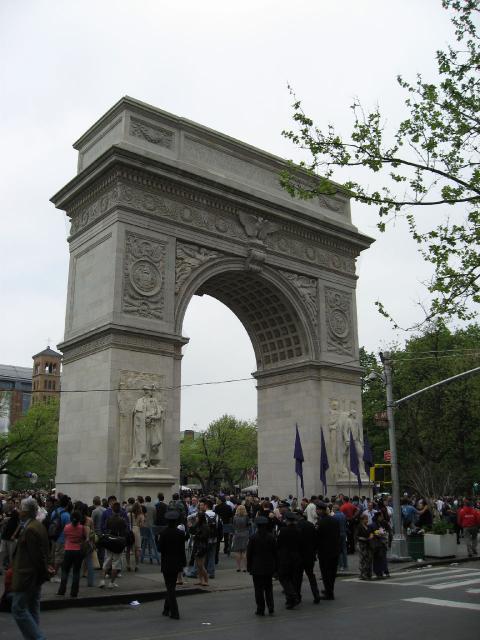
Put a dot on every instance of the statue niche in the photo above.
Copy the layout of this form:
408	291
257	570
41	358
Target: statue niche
148	422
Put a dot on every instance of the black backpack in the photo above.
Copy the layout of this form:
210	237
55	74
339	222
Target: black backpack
55	527
212	523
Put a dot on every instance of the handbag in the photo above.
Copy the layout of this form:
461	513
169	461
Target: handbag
87	545
130	537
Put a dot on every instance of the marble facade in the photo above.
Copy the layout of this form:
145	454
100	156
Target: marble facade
163	209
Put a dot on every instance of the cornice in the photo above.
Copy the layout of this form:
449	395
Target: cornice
204	191
119	337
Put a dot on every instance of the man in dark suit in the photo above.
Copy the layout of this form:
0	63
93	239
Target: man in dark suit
30	570
289	560
172	549
328	542
308	549
262	564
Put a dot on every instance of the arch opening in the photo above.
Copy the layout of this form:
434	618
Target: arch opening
270	318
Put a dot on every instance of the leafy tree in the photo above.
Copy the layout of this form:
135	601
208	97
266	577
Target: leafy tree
438	433
432	159
222	455
31	445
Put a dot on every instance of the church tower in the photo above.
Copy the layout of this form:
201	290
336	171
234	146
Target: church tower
46	375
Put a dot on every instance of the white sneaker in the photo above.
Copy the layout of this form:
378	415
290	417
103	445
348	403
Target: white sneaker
101	584
113	585
119	574
55	579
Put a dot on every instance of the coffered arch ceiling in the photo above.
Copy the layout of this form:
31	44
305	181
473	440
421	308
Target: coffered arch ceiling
271	318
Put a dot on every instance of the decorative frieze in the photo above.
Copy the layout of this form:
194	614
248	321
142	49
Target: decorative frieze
338	309
151	133
143	277
192	208
310	252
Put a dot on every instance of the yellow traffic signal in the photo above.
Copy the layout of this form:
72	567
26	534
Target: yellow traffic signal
381	474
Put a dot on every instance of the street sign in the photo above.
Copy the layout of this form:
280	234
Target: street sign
387	455
381	419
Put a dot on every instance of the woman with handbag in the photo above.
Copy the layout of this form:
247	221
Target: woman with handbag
76	535
88	559
379	543
241	534
136	520
364	536
200	534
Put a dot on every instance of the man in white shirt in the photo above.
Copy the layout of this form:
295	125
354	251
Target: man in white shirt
370	512
311	510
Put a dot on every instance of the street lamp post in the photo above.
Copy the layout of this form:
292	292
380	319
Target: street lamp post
399	549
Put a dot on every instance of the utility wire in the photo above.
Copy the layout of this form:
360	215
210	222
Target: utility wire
180	386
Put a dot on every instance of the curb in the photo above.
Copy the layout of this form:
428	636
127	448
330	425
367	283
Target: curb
113	599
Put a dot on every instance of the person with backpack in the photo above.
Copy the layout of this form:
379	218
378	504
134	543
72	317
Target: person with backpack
75	534
59	518
468	518
118	528
176	504
200	536
215	533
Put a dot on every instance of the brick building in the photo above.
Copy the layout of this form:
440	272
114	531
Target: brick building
46	375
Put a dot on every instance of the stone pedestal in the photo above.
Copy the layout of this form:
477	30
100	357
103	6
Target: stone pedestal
144	482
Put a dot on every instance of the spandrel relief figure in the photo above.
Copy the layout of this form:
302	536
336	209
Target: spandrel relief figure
148	421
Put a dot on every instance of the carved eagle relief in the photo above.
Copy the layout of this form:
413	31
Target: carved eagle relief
256	227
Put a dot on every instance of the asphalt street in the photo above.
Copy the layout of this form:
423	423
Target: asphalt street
431	603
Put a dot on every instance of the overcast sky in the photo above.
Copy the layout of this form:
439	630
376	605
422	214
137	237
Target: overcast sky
226	65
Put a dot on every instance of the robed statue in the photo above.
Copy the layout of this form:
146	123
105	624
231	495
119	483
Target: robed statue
148	421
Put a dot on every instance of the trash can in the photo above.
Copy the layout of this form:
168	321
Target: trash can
416	546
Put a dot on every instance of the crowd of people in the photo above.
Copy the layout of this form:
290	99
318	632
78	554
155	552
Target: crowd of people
51	537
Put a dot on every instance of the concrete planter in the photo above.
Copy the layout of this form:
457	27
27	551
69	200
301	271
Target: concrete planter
440	546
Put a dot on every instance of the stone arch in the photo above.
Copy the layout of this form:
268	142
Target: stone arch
163	209
266	303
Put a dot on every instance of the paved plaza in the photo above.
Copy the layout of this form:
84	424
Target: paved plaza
437	602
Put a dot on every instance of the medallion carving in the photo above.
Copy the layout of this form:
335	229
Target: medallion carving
151	133
189	257
143	278
339	321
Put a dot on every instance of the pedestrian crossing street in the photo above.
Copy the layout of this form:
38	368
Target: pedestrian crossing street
437	579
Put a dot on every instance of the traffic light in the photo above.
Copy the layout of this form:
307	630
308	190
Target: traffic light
381	474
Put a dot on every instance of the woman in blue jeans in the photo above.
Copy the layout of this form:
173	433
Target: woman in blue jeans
75	534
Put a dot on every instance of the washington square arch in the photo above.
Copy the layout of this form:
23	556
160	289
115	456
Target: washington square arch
163	209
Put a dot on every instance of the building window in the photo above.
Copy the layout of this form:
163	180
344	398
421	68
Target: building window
45	384
53	385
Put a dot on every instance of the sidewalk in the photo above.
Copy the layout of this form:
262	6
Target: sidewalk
148	585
